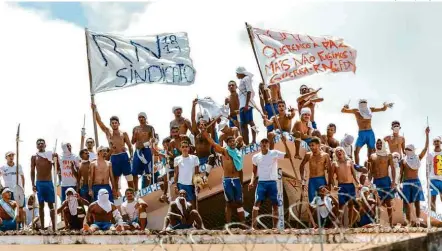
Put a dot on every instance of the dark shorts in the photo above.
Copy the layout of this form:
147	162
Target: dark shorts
8	225
231	124
180	225
120	164
436	187
246	117
383	185
84	193
63	192
267	189
96	188
412	190
103	225
313	185
45	191
232	189
270	114
366	137
314	125
346	192
138	167
365	220
190	191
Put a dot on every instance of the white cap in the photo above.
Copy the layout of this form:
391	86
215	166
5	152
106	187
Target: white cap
142	114
176	108
9	153
101	148
241	70
306	110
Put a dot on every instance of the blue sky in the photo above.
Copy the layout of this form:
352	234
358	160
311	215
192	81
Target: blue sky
68	11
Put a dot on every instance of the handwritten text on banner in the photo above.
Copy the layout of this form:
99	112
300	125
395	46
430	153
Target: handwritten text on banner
285	56
118	62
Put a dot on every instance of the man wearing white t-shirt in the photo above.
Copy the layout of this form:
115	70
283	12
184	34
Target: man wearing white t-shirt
186	166
246	95
133	211
9	174
435	164
265	167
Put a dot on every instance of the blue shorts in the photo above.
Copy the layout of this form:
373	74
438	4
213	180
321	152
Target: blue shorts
267	189
366	137
63	192
435	187
346	193
314	125
84	193
96	188
246	117
270	114
120	164
103	225
203	161
313	185
232	189
190	191
383	185
138	167
231	124
8	225
45	191
365	220
307	140
412	190
180	225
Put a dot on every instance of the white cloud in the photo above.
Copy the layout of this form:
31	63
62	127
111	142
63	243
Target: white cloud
45	84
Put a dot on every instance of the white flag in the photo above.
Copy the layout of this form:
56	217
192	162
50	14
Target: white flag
119	62
286	56
213	109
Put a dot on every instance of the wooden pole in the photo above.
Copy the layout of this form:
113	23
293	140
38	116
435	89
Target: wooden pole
273	108
55	186
428	188
17	173
90	86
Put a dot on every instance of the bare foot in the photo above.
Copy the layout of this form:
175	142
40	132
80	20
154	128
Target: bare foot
298	157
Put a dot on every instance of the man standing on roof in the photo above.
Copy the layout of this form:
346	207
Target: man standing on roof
182	123
246	95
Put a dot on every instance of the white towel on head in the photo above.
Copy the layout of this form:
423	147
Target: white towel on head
412	159
180	207
242	70
72	201
176	108
384	151
364	110
103	200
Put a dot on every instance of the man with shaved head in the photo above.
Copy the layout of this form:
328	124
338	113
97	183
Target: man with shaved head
182	123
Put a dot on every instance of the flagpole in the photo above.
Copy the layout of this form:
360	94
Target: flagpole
55	185
428	188
90	86
273	108
17	173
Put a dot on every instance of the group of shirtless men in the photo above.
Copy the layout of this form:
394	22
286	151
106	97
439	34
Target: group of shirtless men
93	178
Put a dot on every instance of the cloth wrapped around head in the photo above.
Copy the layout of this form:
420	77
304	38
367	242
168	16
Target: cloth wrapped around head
176	108
383	151
348	140
364	110
242	70
438	138
64	148
103	200
142	114
412	159
72	201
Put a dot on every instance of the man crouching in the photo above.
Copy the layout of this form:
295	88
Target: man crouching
100	214
181	215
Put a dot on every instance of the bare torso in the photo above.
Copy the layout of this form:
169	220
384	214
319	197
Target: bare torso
330	141
228	167
343	170
363	124
317	164
84	172
116	141
202	146
43	167
395	143
182	123
275	93
232	132
410	174
284	120
379	165
143	134
233	103
99	215
301	126
101	172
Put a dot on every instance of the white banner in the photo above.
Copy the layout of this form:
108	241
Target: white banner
285	56
213	109
119	62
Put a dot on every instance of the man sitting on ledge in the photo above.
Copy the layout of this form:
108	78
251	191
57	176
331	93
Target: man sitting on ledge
133	211
101	212
7	211
181	215
72	210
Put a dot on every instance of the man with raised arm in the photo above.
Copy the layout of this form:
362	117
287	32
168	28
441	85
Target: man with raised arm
308	99
342	167
182	123
233	101
265	167
186	166
42	162
232	163
302	130
101	175
284	119
202	146
117	141
246	95
411	185
329	138
319	163
435	165
227	132
143	137
363	117
378	165
269	97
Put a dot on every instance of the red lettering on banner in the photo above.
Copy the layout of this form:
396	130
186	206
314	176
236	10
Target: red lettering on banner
332	55
329	44
289	75
275	66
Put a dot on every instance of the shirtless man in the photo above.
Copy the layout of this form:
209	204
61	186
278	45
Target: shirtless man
233	101
101	213
246	95
143	138
319	163
117	140
435	160
411	185
269	97
396	143
326	206
7	211
100	176
202	145
366	208
284	120
182	123
309	99
378	165
175	142
232	163
72	210
302	130
227	133
342	167
83	175
329	138
363	117
181	215
42	163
